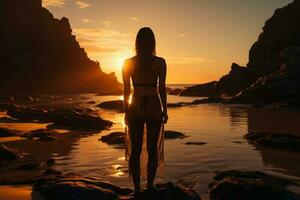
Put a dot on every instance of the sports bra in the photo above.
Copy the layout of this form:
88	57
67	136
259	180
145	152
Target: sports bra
152	72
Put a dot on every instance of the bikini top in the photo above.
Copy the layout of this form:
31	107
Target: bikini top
149	67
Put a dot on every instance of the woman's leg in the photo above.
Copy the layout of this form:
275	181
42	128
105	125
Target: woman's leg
153	131
136	139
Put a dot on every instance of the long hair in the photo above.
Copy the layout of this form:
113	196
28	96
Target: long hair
145	44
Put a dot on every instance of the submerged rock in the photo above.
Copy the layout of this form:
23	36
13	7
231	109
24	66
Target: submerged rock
196	143
8	154
174	135
232	184
275	140
114	138
114	105
55	185
118	138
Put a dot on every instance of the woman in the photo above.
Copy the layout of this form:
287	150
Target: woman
147	112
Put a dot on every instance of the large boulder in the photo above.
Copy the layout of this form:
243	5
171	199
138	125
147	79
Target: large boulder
65	119
200	90
55	185
275	140
41	55
232	184
236	80
282	86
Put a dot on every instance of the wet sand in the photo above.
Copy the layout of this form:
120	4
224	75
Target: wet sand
222	127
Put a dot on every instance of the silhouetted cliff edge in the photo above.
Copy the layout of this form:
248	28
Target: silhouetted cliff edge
272	74
39	54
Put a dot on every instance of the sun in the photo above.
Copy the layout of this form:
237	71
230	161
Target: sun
118	59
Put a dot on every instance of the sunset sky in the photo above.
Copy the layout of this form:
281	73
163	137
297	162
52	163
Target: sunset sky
198	38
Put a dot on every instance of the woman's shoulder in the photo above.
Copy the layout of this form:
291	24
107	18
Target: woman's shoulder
160	59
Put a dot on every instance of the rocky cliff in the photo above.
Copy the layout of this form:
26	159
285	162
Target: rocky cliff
39	54
278	44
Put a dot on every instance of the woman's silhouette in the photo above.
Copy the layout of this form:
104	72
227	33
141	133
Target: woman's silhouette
147	112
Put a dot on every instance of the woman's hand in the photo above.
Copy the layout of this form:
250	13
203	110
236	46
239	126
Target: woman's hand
165	117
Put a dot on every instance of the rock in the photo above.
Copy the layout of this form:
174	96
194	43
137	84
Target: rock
34	44
29	166
275	140
114	138
114	105
280	88
277	45
55	185
200	90
175	91
238	79
232	184
8	154
83	122
65	119
174	135
208	100
5	132
51	162
118	138
40	133
176	105
196	143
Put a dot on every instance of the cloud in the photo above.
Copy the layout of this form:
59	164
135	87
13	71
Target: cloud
181	35
106	23
82	4
134	18
53	3
85	20
103	41
189	60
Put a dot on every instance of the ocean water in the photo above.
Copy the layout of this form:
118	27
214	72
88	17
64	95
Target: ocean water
222	127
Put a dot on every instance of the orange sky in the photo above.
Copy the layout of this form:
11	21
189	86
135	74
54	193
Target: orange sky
198	38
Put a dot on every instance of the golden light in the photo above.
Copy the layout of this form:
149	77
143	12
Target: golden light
119	58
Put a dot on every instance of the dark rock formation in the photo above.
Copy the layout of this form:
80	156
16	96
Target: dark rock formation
275	140
5	132
229	185
118	138
280	87
174	135
7	154
55	185
201	90
65	119
114	138
175	91
118	105
277	46
113	105
39	54
239	78
196	143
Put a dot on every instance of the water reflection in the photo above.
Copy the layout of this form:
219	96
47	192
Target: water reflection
269	120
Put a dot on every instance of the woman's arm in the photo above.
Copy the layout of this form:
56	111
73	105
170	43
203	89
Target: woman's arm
163	91
126	83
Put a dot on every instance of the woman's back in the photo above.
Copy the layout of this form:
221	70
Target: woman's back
145	74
